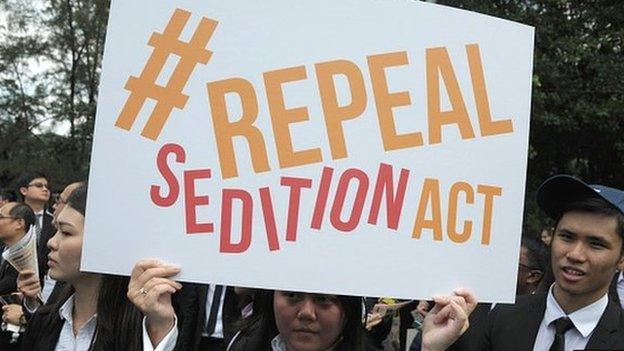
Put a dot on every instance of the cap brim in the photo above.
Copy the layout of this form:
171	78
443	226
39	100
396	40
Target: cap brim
558	191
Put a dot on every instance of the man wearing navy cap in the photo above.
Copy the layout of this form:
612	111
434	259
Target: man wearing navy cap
586	249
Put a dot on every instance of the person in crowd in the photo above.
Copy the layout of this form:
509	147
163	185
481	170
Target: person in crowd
34	190
93	313
16	220
6	196
290	321
51	289
546	235
61	199
532	265
206	317
586	250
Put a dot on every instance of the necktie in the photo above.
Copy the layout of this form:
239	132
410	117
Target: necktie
38	225
214	310
562	325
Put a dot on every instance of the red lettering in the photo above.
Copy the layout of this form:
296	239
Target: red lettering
321	198
269	218
191	201
165	171
358	204
294	201
226	245
394	204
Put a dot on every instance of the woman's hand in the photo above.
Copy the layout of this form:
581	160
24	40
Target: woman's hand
447	320
150	290
12	314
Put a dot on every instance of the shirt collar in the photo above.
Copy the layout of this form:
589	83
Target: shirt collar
278	344
621	277
584	319
67	309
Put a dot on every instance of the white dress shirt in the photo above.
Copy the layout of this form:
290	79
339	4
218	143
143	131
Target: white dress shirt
218	330
620	288
67	340
167	344
278	344
585	321
82	340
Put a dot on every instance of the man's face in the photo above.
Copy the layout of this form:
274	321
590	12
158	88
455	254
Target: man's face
586	250
8	225
36	191
61	200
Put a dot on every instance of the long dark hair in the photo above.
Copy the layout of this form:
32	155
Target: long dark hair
262	322
118	324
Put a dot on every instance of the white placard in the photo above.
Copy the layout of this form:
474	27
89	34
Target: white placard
358	147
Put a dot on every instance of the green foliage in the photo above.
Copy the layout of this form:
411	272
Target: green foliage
50	59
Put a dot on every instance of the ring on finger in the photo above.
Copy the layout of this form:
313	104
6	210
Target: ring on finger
142	291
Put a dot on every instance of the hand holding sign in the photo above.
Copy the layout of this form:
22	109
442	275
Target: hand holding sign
447	320
150	289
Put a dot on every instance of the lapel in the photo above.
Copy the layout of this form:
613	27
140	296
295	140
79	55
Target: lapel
604	336
613	294
3	268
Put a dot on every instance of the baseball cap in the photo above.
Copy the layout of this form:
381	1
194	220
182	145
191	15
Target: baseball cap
558	191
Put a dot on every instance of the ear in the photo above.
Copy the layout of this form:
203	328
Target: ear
620	265
21	223
23	191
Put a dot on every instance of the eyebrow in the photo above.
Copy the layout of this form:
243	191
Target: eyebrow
63	223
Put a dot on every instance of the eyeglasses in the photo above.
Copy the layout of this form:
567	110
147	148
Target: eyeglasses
40	185
528	267
6	217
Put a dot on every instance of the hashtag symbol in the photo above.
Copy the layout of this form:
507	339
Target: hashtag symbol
170	96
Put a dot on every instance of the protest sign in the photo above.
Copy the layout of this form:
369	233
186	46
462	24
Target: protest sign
357	147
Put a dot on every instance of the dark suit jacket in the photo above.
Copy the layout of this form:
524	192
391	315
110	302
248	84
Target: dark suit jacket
43	332
8	278
47	232
190	306
515	327
613	294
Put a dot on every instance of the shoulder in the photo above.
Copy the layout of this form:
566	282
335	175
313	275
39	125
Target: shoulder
254	337
523	303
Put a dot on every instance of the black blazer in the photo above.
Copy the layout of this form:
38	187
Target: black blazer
613	294
190	306
42	332
515	327
8	278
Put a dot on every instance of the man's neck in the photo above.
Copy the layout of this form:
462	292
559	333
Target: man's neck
35	205
570	303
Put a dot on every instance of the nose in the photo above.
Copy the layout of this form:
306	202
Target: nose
307	309
52	243
577	252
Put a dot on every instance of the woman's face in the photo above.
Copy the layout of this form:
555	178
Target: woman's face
66	246
308	322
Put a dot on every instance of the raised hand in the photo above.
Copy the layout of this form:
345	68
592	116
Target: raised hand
447	320
150	289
